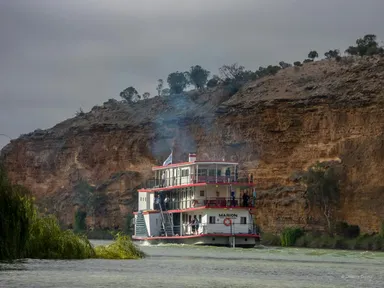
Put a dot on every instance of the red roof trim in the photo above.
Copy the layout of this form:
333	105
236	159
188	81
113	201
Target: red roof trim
172	165
171	187
250	209
194	185
191	163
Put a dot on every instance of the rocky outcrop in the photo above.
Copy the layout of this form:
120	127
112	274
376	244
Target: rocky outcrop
275	127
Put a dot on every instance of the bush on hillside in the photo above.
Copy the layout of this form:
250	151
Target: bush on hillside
347	231
290	235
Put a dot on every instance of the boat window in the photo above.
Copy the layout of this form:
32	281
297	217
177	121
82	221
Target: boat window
202	172
218	172
243	220
199	218
184	172
211	172
212	219
201	193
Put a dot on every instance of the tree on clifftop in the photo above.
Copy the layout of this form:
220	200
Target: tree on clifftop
332	54
198	76
159	87
365	46
233	72
323	191
312	55
130	94
213	82
284	65
146	95
177	82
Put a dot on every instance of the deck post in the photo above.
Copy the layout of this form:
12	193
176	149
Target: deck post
216	171
181	224
197	174
233	237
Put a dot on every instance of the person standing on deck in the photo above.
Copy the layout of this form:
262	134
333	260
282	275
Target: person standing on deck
254	197
157	202
195	224
228	174
166	201
163	179
233	199
245	199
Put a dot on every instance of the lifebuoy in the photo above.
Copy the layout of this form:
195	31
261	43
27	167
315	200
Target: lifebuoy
227	221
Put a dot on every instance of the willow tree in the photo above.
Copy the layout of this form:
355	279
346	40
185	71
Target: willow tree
16	212
323	192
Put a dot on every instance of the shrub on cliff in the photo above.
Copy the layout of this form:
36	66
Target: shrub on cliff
323	192
347	231
290	235
80	225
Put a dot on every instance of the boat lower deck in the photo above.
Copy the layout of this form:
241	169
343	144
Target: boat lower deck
228	240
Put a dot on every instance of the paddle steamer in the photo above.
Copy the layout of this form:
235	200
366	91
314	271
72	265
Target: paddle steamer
197	202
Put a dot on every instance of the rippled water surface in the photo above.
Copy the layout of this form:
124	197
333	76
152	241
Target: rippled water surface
190	266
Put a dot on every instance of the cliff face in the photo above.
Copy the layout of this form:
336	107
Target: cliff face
274	127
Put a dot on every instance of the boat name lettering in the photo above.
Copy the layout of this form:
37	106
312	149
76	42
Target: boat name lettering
228	215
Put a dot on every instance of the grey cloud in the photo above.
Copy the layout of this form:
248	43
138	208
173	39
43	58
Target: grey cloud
56	56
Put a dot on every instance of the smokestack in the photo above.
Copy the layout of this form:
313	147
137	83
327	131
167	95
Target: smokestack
192	157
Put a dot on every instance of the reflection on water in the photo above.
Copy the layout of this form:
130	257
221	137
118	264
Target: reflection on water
191	266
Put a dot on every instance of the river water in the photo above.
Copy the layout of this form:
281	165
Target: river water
191	266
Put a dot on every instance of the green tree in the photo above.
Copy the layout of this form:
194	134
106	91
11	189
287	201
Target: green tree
213	82
177	82
128	224
322	181
284	65
130	94
297	64
16	214
198	76
233	72
332	54
265	71
365	46
313	54
159	87
146	95
80	225
165	92
307	60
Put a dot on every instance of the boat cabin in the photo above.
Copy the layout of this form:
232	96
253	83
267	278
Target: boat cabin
209	193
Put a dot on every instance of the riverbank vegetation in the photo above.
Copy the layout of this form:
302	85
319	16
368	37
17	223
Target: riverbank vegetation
323	198
26	234
348	237
122	248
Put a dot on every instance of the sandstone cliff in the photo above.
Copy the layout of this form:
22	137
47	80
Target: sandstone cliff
274	126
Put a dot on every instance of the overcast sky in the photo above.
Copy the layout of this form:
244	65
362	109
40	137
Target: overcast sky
57	56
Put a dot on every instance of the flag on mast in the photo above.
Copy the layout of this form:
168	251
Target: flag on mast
168	160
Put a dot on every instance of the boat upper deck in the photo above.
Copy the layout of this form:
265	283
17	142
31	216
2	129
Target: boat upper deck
195	173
